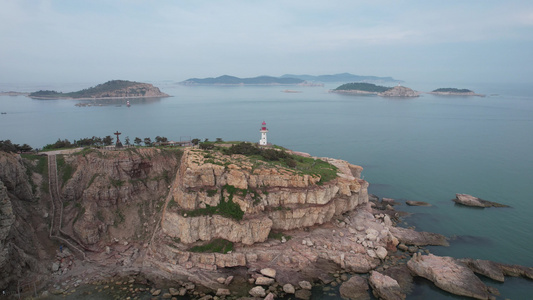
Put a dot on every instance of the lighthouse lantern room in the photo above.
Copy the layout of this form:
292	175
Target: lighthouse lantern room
264	130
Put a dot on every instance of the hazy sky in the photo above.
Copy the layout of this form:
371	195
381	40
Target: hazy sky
100	40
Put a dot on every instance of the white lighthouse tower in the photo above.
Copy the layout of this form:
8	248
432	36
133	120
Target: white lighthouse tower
264	130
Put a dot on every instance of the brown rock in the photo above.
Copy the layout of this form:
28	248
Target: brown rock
258	291
269	272
469	200
417	238
417	203
288	288
356	288
223	292
384	287
264	281
449	275
303	294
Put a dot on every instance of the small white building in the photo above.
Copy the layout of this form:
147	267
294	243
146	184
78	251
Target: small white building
264	130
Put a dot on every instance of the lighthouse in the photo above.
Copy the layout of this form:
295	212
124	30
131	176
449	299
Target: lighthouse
264	130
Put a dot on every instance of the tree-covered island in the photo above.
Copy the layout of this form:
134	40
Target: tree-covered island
455	92
360	88
110	89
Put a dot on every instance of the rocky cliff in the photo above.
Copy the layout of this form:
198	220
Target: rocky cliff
206	216
23	231
115	195
270	197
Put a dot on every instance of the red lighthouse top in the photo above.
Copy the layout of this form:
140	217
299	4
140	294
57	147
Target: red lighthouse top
263	126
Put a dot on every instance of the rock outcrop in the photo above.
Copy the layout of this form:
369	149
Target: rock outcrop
116	193
356	288
270	197
7	218
469	200
384	287
23	230
497	271
14	176
417	203
399	91
449	274
418	238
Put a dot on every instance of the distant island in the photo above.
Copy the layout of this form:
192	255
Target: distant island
287	79
372	89
232	80
361	88
343	77
455	92
13	93
110	89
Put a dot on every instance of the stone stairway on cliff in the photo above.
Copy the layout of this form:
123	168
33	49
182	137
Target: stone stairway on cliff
57	211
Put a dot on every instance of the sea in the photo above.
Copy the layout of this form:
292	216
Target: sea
426	149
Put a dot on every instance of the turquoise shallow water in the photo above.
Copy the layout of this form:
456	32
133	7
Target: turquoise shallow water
424	149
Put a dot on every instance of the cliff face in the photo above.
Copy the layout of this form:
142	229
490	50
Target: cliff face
115	194
400	91
7	218
14	176
23	230
158	203
270	197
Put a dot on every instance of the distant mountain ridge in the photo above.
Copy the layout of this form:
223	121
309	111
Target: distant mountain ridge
342	77
287	79
227	79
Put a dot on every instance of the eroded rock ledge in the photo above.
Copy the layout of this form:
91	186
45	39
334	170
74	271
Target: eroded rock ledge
271	197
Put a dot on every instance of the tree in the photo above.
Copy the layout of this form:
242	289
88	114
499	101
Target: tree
127	141
195	141
137	141
7	146
98	141
147	141
24	148
219	140
161	139
108	140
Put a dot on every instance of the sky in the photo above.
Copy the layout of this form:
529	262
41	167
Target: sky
94	41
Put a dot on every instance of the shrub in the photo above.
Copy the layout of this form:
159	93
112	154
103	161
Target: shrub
216	245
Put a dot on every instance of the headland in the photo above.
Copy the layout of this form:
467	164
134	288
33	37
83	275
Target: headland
230	220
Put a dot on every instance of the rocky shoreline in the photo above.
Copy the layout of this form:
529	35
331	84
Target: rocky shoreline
387	272
139	224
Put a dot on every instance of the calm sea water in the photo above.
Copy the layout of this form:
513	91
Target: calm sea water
424	149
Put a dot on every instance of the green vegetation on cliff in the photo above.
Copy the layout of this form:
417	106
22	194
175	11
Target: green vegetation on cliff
304	165
452	90
362	86
226	207
214	246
